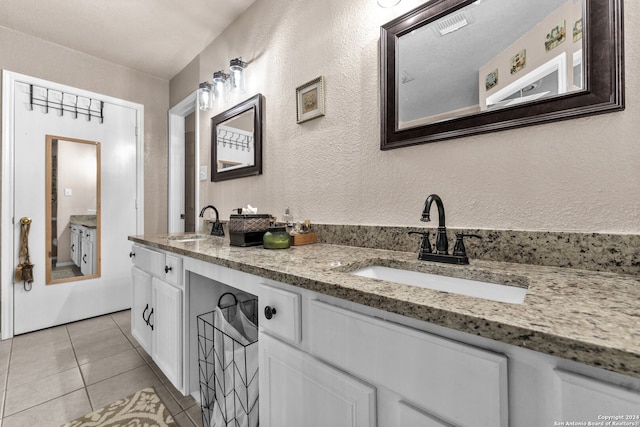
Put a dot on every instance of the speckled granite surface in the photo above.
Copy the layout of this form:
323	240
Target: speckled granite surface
586	316
619	253
86	220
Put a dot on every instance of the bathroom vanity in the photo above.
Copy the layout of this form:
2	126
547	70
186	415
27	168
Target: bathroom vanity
83	243
344	350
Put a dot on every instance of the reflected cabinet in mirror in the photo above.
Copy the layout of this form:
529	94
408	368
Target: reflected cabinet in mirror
453	68
72	209
236	141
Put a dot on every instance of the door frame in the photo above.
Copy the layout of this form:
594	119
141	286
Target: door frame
9	79
176	195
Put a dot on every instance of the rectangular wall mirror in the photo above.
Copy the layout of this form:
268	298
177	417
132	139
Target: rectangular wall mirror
72	209
453	68
236	141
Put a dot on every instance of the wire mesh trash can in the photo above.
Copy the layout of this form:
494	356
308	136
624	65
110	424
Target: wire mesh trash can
228	364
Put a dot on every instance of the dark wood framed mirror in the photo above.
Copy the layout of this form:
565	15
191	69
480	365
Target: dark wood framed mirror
236	141
454	68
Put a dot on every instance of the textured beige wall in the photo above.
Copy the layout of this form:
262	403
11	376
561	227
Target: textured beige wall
185	82
34	57
578	175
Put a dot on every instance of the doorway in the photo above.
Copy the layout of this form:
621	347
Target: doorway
179	175
190	173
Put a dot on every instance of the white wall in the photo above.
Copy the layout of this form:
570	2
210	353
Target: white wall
579	175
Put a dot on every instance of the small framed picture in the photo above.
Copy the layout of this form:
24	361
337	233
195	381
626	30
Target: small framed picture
556	36
310	100
518	61
577	30
492	79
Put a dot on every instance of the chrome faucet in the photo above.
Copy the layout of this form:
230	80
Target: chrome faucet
442	244
441	254
216	228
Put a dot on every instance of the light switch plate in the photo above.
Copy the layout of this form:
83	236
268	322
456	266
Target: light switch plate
203	173
68	191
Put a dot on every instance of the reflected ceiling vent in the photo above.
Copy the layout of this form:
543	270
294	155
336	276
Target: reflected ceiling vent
452	23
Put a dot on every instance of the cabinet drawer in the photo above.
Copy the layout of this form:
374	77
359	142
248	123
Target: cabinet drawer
173	270
454	382
285	323
150	261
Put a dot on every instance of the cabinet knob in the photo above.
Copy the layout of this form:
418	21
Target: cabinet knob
167	269
131	254
269	312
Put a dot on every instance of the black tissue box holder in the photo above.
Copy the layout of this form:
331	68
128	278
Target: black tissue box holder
248	229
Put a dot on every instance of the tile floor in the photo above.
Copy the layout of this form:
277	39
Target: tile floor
53	376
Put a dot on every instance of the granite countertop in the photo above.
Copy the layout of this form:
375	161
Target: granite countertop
590	317
88	221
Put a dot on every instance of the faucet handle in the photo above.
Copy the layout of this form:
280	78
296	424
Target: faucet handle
425	246
216	229
458	248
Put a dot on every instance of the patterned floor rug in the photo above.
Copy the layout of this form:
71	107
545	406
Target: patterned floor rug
143	408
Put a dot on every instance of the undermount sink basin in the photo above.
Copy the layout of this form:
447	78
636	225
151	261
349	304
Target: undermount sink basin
188	238
473	288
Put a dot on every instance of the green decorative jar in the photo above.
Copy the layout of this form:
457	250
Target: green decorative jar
276	238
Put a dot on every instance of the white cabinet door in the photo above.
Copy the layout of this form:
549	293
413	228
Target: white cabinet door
86	264
141	308
299	390
167	330
587	400
75	245
414	417
464	385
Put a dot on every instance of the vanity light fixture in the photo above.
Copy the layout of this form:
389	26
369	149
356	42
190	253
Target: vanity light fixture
220	84
236	80
205	96
237	67
388	3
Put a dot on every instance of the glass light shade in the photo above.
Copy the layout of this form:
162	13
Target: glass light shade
205	96
219	85
388	3
236	67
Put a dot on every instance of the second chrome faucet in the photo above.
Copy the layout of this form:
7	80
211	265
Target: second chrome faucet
441	254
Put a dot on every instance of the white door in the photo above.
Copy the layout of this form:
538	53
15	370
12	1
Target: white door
48	305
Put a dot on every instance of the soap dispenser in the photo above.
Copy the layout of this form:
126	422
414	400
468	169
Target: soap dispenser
287	219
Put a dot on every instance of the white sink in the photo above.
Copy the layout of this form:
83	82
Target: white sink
473	288
189	238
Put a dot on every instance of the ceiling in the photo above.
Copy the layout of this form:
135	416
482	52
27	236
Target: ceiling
157	37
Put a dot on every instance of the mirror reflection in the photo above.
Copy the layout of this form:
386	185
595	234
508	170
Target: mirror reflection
530	50
235	142
73	211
